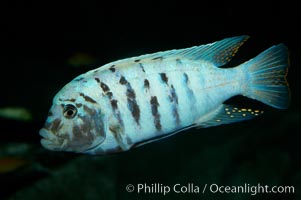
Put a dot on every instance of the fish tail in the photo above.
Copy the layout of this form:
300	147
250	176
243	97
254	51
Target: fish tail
266	77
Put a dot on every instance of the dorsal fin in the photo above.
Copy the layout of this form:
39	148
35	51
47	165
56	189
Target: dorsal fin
218	53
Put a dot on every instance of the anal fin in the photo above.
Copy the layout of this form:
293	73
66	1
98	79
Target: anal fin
226	114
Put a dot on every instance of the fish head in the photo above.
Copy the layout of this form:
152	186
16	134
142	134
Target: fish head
72	124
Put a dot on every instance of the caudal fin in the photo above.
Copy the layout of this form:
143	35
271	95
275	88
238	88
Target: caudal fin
266	77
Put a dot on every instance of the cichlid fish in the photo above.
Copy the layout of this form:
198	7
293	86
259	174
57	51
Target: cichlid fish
138	100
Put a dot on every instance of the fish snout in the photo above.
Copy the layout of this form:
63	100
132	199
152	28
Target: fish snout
48	140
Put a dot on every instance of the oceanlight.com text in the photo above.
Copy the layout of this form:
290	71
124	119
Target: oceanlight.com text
193	188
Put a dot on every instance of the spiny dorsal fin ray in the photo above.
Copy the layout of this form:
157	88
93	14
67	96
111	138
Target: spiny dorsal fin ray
219	53
226	114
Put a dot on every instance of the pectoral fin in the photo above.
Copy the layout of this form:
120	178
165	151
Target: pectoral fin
160	137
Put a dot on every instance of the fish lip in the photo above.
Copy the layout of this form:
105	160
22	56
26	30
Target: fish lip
46	135
48	140
46	144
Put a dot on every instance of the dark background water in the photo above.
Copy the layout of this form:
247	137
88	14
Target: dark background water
37	40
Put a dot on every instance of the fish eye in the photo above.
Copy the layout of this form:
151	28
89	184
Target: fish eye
70	111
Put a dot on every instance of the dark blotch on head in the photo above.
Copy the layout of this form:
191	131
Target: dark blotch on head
87	98
84	134
78	105
71	100
76	132
55	125
88	110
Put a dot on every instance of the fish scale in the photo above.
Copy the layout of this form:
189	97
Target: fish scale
135	101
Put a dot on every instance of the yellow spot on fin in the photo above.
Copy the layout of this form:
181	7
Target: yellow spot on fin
267	77
227	49
226	114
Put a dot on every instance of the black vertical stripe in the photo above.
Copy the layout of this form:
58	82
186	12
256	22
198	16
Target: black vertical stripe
174	101
146	84
189	95
97	80
164	78
104	87
155	112
179	61
186	79
142	67
131	99
123	81
172	96
114	105
189	92
115	130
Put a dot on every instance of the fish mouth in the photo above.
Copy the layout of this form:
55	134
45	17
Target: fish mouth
49	140
47	134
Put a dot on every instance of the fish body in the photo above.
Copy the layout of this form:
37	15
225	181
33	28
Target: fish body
134	101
